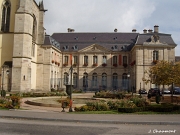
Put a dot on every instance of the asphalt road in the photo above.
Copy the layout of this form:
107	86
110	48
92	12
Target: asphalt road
37	127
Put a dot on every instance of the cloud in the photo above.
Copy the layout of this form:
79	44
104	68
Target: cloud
106	15
96	16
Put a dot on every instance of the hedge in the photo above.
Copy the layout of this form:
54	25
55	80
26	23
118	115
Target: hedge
130	110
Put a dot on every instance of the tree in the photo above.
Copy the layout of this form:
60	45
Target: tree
163	73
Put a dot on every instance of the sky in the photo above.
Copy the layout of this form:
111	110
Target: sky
106	15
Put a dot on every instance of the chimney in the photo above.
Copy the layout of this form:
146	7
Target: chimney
115	30
150	30
70	30
134	30
156	29
145	31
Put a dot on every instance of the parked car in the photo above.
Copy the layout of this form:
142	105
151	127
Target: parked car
176	90
154	91
142	91
166	91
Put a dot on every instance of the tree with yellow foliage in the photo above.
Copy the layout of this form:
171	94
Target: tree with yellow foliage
163	73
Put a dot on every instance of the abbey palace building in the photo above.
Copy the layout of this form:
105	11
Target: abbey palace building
30	60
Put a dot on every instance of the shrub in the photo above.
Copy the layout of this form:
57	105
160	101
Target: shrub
130	110
77	91
176	107
109	94
84	108
15	101
2	100
93	106
126	110
140	102
113	105
162	108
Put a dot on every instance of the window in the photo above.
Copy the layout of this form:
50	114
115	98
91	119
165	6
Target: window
124	60
85	60
155	55
66	60
104	81
114	59
75	47
33	36
85	80
75	79
104	59
51	83
94	79
65	47
66	78
34	28
75	59
94	59
115	81
5	22
124	81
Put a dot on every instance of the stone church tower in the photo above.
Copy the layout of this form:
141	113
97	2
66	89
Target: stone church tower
28	36
24	20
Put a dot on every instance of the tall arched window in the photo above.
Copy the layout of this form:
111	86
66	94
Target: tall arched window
33	36
85	80
155	55
124	81
6	10
94	79
75	79
104	81
115	81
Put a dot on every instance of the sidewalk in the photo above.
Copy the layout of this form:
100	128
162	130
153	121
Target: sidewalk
54	114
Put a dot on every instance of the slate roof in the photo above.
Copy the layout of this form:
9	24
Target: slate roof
164	38
82	40
108	40
50	41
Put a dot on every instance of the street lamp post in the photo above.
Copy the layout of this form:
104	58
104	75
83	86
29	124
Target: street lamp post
128	75
70	106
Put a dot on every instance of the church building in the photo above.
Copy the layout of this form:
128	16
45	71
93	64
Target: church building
30	60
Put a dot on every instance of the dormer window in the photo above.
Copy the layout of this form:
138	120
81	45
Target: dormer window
115	38
75	47
76	38
65	47
115	47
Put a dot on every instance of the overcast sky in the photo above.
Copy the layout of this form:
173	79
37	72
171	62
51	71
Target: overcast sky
106	15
